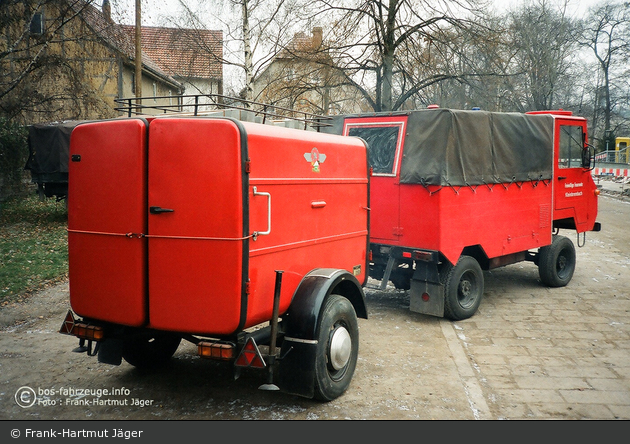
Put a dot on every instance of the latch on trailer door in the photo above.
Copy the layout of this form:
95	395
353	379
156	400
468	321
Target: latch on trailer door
260	233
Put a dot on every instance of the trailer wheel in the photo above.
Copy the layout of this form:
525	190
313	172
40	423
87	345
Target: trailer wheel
150	350
556	262
337	348
463	289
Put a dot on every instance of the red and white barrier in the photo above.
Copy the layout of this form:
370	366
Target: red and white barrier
615	172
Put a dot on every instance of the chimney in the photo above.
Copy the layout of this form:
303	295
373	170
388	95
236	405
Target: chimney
107	10
317	37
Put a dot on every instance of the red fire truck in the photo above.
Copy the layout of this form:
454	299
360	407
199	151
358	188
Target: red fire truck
248	240
456	192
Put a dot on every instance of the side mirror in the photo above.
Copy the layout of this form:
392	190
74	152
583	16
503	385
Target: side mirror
588	154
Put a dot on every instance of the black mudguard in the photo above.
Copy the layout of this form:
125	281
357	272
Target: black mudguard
110	351
296	372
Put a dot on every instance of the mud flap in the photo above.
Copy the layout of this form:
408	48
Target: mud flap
110	351
296	374
426	295
432	304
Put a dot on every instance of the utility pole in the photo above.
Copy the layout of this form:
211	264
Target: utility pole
138	53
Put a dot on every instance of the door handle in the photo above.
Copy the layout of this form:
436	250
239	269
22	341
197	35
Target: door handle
268	195
561	177
159	210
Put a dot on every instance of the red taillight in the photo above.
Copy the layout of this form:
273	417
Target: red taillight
215	350
426	256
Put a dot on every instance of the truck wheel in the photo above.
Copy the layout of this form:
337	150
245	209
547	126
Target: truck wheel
463	289
337	348
556	262
150	350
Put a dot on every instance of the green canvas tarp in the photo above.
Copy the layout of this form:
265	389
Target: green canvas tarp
458	148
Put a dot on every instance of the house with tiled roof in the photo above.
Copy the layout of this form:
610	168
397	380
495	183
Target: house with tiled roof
193	57
67	60
303	77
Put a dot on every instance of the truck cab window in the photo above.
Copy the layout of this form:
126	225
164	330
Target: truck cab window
382	142
571	147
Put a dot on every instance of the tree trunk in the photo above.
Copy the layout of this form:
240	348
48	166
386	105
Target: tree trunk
249	64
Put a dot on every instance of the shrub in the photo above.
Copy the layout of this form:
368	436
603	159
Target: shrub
13	157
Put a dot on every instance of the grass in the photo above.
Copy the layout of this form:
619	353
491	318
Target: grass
33	245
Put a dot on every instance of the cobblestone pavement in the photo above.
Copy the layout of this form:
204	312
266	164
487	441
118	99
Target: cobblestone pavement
531	352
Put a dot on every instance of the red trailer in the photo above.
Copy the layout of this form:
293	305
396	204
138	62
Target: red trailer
456	192
246	239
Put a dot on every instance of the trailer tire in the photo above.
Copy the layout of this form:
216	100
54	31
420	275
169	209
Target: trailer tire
556	262
337	348
150	350
463	289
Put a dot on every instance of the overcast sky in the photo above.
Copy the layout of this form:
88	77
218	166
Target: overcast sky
153	10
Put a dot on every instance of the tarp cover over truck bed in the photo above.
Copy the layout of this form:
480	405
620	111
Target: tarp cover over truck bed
49	148
458	148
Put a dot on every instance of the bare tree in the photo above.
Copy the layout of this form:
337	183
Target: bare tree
606	32
372	35
254	32
543	38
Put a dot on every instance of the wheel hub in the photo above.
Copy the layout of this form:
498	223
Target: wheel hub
465	288
562	262
340	348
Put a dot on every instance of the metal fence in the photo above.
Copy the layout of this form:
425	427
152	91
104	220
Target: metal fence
613	156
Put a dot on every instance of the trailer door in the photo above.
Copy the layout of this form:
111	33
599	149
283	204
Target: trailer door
196	225
385	138
107	221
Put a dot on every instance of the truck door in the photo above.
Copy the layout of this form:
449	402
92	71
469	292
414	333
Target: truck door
196	225
385	139
572	180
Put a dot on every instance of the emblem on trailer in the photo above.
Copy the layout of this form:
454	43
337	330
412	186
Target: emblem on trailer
315	157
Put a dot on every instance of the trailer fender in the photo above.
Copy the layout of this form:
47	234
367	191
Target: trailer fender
298	356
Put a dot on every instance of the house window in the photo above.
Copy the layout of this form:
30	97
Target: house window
154	92
37	24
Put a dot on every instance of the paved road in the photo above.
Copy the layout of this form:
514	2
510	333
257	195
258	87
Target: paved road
530	352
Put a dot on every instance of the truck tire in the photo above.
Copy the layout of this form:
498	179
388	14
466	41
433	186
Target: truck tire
337	348
556	262
150	350
463	289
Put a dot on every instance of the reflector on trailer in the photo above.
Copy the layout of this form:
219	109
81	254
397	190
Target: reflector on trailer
250	355
70	326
